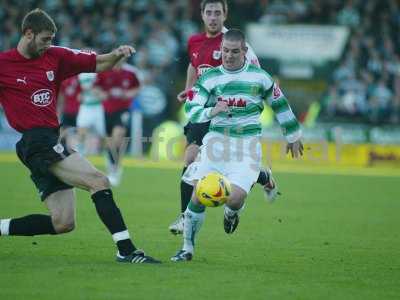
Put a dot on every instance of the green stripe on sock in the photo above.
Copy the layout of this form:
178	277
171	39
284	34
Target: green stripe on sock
196	208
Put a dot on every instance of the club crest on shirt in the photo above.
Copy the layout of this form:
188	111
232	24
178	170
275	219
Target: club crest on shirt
58	148
216	54
255	90
50	75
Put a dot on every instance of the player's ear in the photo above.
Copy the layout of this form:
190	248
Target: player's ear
29	34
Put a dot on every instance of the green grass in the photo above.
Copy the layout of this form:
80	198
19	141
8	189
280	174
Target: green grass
327	237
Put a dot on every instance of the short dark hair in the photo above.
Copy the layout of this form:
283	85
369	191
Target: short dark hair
235	35
223	2
38	20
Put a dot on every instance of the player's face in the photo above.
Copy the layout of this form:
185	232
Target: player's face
233	54
39	43
213	17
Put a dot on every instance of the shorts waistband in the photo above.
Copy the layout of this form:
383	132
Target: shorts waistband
41	131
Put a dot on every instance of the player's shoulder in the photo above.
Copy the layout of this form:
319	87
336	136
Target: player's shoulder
211	74
60	51
8	55
260	74
54	50
197	37
256	69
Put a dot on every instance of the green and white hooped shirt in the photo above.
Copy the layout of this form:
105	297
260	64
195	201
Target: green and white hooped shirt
245	90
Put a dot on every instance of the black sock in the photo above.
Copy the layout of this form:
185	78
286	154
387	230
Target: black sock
31	225
111	216
262	178
186	193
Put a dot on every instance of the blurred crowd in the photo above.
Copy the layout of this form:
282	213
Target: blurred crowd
158	30
364	86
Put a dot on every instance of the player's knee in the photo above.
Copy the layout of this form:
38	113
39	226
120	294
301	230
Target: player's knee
62	224
236	199
99	181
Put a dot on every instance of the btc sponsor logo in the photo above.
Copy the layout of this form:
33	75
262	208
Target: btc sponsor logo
42	97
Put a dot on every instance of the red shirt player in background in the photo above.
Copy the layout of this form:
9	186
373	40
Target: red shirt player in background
68	107
30	80
204	50
117	87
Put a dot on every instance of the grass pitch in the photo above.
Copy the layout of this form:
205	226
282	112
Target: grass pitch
328	237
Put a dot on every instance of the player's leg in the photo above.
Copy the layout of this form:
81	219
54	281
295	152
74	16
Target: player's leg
81	135
60	201
195	211
68	130
193	220
76	171
268	183
194	135
270	187
186	189
191	152
233	208
242	171
116	148
31	154
61	205
84	122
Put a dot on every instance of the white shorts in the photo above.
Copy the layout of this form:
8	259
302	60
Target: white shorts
91	117
238	159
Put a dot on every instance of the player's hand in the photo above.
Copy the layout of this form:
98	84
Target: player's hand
182	96
124	51
296	149
221	106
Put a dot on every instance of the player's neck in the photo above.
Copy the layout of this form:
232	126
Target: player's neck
237	68
212	35
22	49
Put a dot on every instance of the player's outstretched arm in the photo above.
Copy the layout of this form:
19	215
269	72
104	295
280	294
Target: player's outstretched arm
190	81
109	60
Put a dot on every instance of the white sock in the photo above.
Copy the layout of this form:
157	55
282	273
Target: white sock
231	212
193	222
5	226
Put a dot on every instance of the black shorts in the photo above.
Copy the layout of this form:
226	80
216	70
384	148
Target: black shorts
68	120
195	132
38	149
118	118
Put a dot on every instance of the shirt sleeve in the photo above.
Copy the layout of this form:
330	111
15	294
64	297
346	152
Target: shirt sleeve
99	80
73	62
284	114
135	83
251	56
189	51
195	108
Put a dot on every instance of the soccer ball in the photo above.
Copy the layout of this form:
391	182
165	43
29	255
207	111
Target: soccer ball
213	189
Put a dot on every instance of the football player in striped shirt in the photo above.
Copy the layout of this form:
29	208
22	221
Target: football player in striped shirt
232	97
